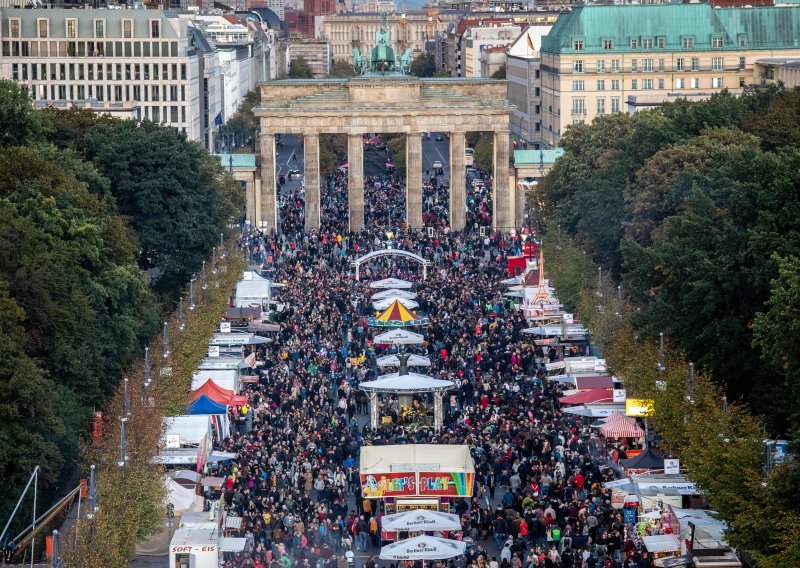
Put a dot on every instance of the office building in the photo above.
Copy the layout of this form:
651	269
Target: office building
605	59
523	74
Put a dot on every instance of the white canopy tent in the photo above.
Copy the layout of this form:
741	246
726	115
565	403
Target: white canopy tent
423	548
399	337
223	363
253	289
661	543
226	379
375	460
237	339
595	410
418	520
394	361
386	302
390	283
182	498
191	429
412	382
394	293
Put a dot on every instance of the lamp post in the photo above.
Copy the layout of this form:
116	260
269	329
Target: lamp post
214	260
126	401
92	494
166	341
55	562
619	291
600	281
146	366
123	442
690	383
662	356
203	285
221	246
181	318
191	292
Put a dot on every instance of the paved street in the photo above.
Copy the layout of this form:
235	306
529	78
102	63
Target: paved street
290	157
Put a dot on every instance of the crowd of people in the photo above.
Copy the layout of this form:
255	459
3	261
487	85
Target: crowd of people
538	498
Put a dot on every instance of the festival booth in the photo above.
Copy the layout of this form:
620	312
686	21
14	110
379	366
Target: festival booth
394	293
388	302
416	476
423	548
226	363
595	410
237	339
218	394
196	541
227	380
620	426
396	313
405	386
394	361
252	290
187	440
389	283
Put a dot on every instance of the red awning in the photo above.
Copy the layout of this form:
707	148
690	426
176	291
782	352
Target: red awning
594	382
218	394
588	397
620	426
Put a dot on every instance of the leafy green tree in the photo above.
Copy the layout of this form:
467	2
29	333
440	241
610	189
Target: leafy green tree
778	125
423	65
300	69
20	124
500	73
341	68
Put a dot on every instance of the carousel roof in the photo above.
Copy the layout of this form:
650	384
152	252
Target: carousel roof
412	382
397	315
387	303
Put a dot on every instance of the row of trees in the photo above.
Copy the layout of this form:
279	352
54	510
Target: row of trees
694	208
101	221
721	445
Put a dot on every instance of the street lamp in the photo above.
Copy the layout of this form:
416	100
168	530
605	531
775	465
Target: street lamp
126	401
166	341
214	260
181	318
600	281
123	442
221	246
204	286
690	383
191	292
92	494
662	356
146	366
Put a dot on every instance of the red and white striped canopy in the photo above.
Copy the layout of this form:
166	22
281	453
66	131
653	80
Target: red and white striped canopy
619	426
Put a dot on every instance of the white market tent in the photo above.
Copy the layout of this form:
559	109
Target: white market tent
555	330
412	382
386	302
411	457
399	337
394	293
394	361
418	520
223	363
182	498
191	430
391	283
423	547
252	290
237	339
595	410
662	543
226	379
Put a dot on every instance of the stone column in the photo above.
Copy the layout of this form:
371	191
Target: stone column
355	181
268	202
458	182
414	180
256	218
311	163
522	195
502	199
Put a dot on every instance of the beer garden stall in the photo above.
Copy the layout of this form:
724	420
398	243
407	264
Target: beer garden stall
416	476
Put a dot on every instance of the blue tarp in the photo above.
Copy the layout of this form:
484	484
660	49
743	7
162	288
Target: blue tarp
204	405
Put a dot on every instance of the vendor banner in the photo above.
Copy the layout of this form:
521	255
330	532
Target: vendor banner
416	484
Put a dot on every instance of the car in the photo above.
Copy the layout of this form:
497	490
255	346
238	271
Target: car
437	165
439	138
293	173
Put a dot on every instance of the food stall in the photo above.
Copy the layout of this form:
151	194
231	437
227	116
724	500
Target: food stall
416	476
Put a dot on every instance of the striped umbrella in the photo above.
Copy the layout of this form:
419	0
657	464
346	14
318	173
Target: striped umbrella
619	426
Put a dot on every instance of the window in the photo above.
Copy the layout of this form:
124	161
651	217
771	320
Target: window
717	63
578	107
601	106
634	44
615	104
608	44
634	65
615	84
680	83
615	65
742	40
647	44
155	28
99	28
634	84
577	66
687	42
13	27
716	42
601	66
127	28
647	84
661	42
661	65
577	86
680	64
695	83
577	44
183	71
661	84
695	64
43	27
716	82
601	85
741	81
741	63
647	65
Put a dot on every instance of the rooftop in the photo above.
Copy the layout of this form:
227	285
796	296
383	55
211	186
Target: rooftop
238	160
535	157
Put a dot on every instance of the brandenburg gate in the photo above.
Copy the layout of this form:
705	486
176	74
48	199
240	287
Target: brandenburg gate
384	99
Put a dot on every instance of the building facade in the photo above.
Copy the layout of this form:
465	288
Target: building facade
605	59
523	73
316	52
478	39
136	62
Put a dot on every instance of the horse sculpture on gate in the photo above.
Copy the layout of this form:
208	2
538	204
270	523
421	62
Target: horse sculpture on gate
382	58
359	63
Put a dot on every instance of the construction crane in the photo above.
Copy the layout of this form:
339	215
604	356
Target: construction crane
431	13
403	29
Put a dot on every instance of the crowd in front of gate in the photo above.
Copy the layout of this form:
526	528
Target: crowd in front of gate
538	498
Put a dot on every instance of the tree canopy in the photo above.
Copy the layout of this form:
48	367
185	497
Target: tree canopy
300	69
423	65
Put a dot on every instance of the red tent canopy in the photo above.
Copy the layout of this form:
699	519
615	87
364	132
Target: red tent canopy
218	394
594	382
588	397
619	426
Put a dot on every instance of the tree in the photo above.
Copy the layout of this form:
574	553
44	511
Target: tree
300	69
423	65
341	68
500	73
20	124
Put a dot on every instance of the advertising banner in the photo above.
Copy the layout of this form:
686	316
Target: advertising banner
417	484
